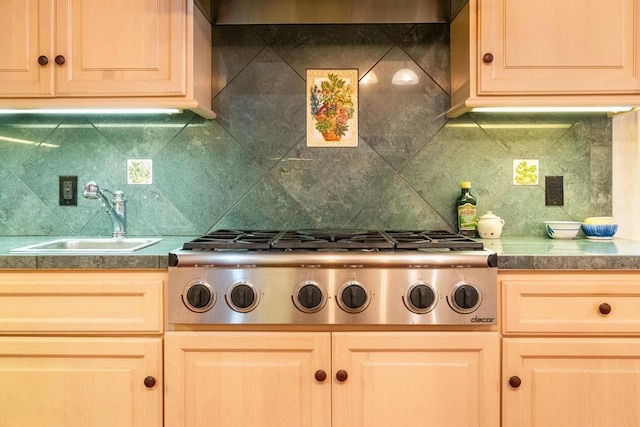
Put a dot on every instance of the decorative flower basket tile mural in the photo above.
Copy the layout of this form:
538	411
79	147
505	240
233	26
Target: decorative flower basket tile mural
332	100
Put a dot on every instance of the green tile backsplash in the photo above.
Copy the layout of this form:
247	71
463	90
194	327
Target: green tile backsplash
250	168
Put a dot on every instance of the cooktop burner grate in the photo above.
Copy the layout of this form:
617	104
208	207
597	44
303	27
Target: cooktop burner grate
234	239
432	239
333	239
329	240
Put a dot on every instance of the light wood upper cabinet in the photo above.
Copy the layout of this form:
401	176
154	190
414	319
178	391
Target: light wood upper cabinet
121	53
553	47
545	52
121	47
26	34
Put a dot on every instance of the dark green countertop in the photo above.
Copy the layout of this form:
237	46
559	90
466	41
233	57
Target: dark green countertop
541	253
526	253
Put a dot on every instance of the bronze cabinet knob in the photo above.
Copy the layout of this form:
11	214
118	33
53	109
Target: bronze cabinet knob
60	60
342	375
43	60
604	308
487	58
149	382
515	381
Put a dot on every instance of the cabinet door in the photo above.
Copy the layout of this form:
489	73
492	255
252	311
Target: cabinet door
122	47
417	379
571	382
26	33
247	379
551	46
80	382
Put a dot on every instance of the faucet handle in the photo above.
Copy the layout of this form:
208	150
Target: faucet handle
116	208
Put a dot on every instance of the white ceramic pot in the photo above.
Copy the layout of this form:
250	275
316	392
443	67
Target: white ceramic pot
490	226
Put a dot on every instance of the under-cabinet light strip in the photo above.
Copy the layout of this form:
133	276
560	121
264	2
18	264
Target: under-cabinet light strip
609	109
93	111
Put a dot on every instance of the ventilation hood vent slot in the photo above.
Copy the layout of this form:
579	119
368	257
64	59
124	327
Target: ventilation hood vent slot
247	12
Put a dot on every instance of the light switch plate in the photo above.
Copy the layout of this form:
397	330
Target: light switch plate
554	190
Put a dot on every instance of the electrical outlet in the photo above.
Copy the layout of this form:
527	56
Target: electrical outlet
554	190
68	188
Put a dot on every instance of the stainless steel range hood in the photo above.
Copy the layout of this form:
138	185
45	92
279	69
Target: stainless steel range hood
239	12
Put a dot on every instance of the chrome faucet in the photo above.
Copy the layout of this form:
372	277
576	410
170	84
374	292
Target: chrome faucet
116	208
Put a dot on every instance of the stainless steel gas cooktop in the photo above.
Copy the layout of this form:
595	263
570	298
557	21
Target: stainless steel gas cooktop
332	277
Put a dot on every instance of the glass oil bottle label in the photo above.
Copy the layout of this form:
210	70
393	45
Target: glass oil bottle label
467	219
466	211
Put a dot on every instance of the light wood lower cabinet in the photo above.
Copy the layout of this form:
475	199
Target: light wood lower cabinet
571	352
416	379
80	382
571	382
322	379
247	379
81	348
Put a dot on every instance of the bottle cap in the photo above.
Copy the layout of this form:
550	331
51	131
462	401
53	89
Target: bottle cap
465	184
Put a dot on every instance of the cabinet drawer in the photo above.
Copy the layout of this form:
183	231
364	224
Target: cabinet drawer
69	301
576	303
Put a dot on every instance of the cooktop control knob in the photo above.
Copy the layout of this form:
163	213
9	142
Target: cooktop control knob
465	298
309	297
420	298
242	297
353	297
199	297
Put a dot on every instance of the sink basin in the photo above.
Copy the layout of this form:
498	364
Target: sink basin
90	245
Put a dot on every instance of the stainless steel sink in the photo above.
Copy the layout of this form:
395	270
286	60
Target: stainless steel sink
90	245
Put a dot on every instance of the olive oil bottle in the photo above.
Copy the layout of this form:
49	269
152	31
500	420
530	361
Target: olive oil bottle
466	210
